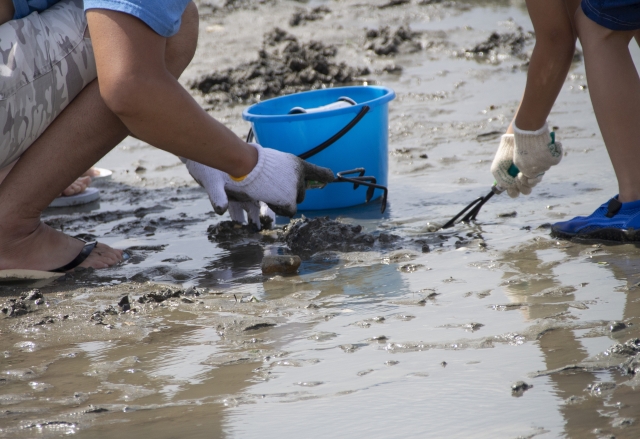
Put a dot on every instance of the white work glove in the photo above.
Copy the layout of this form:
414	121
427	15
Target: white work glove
532	152
536	151
212	180
279	180
258	213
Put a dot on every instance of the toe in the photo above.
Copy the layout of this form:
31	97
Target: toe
77	186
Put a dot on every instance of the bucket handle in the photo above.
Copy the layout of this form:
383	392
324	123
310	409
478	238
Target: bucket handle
361	179
327	143
324	145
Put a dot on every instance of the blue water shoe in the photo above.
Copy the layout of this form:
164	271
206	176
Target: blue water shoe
613	221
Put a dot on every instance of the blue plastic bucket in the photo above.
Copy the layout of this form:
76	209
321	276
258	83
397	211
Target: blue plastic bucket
364	146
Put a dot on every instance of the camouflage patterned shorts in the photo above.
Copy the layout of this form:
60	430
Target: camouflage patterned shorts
45	61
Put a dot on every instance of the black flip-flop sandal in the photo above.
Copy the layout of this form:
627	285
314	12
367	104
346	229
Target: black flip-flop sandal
38	278
84	254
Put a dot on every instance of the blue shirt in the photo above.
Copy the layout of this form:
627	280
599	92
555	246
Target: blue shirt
163	16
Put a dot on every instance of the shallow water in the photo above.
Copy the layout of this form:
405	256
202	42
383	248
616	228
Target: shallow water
388	343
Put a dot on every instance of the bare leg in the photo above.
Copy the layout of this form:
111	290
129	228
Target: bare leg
550	60
84	132
615	93
74	188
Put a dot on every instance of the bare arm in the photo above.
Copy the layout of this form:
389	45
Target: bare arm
137	86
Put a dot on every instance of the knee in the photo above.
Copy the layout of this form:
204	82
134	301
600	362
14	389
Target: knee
559	41
123	93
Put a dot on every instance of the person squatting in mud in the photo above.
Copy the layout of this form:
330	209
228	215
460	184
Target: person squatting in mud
58	119
605	29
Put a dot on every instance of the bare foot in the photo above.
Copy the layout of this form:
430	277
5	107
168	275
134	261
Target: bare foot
91	172
44	248
77	186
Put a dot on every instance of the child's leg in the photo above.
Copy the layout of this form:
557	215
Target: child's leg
615	93
550	60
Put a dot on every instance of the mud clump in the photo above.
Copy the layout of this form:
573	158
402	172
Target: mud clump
518	388
315	14
617	326
165	294
308	236
296	67
385	42
237	5
26	304
226	231
160	296
629	348
99	316
124	304
280	264
511	43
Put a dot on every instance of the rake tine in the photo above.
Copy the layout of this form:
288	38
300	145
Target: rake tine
452	221
359	171
372	186
471	216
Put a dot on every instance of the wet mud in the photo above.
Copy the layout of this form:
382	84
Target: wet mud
308	236
189	338
385	42
284	66
315	14
511	43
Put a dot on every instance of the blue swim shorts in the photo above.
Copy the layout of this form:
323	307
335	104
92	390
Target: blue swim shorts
618	15
163	16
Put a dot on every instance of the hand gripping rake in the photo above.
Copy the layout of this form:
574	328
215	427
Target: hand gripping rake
474	207
369	181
